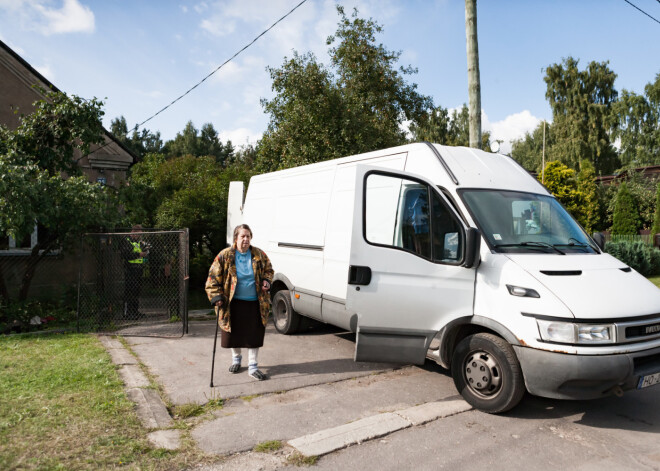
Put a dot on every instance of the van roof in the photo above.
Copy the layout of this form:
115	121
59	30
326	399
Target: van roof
474	168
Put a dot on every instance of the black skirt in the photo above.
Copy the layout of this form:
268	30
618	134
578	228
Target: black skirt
247	330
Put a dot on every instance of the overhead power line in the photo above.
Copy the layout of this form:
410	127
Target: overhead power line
635	6
137	126
218	68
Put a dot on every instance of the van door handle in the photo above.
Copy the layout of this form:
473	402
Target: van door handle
358	275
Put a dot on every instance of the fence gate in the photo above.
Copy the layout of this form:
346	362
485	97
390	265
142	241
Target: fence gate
134	283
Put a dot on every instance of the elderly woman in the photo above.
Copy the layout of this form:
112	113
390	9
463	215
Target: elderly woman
237	286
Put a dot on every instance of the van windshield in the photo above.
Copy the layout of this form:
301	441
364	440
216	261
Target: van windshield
519	222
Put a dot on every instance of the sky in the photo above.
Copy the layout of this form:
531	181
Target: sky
138	56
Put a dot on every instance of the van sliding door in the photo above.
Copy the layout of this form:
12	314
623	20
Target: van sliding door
405	276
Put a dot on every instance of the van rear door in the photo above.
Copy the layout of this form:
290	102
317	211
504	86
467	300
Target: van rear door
406	274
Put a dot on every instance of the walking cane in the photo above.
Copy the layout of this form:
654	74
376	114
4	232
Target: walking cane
215	341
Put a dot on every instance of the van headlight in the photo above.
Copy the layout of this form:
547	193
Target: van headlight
569	332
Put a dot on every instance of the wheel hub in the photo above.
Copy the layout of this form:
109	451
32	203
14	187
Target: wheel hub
482	373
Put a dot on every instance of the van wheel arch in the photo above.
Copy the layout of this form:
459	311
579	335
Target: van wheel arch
464	327
286	320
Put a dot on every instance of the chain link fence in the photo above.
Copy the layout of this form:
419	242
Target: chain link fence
134	283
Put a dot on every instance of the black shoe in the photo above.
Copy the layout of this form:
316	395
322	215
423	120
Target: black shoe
234	368
258	375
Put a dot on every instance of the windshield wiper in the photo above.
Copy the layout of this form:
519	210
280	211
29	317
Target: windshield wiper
572	242
576	245
543	245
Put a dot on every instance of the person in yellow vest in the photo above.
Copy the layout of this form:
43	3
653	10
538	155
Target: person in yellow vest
134	252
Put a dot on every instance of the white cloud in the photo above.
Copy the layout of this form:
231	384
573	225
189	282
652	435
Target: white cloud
200	7
40	16
46	71
184	8
71	18
240	136
230	72
510	128
217	27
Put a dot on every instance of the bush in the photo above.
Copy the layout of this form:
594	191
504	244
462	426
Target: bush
32	315
625	220
636	254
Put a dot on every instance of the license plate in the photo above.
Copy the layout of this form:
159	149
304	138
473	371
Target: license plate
648	380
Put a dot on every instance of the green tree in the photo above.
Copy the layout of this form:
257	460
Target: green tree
638	125
655	229
210	144
642	190
528	151
589	212
432	126
625	220
40	181
560	181
140	143
581	102
438	126
357	105
138	194
197	143
181	192
185	142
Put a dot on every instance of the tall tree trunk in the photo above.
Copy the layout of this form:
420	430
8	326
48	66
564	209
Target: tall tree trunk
474	83
30	269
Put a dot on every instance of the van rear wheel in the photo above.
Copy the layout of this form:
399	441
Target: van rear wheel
487	373
286	320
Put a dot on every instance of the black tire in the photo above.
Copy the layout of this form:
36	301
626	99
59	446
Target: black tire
286	320
487	373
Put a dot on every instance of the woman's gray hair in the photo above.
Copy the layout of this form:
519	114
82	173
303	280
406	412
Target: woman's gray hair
239	227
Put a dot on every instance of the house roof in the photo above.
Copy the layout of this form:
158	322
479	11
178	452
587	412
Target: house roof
48	84
647	171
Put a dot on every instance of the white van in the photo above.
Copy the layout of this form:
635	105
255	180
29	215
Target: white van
459	255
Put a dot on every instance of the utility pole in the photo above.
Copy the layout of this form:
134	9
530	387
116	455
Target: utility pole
474	83
543	157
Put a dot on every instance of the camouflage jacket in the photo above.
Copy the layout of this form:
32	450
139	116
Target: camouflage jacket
222	281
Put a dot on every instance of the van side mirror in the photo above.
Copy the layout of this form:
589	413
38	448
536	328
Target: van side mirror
599	238
472	247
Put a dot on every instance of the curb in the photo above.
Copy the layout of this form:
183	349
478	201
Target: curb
332	439
149	406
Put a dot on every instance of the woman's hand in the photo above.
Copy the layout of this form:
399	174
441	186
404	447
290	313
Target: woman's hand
265	285
219	303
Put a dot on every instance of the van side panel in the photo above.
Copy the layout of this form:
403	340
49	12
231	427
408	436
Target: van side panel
302	217
288	214
340	222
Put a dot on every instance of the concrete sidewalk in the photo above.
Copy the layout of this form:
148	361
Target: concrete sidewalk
322	400
183	365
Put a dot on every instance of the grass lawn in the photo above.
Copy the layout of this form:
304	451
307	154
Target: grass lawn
63	407
655	280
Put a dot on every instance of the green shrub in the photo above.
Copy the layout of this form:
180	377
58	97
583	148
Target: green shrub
31	315
636	254
625	219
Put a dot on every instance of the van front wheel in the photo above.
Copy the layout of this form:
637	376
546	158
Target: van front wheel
487	373
286	320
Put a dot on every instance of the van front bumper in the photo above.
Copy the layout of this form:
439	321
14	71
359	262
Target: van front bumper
565	376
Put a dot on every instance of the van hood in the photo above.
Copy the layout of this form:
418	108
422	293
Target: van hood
593	286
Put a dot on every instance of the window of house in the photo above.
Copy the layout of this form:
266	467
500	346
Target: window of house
10	244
